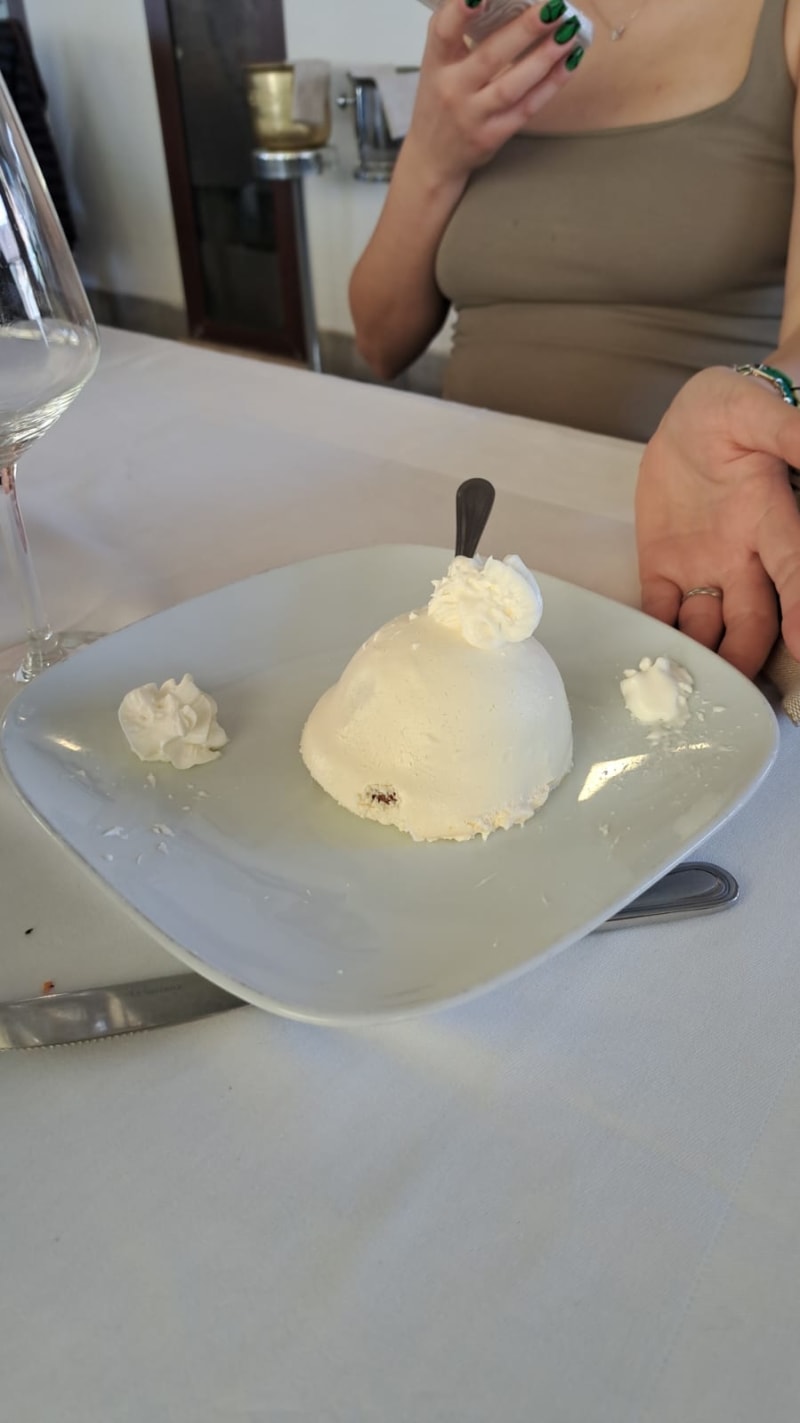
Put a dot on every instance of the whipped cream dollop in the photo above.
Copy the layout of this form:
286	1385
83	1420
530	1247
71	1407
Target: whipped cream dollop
489	602
175	722
657	691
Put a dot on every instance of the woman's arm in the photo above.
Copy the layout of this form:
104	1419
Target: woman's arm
787	356
397	307
469	102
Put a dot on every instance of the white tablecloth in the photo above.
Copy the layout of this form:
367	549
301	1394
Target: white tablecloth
574	1200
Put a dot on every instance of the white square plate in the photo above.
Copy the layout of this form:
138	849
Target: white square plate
248	872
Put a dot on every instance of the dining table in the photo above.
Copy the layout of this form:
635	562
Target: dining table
572	1199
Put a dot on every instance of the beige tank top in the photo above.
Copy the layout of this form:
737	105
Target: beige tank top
593	273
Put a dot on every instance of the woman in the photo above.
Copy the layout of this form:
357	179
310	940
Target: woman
614	229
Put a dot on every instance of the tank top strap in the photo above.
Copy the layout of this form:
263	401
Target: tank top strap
768	80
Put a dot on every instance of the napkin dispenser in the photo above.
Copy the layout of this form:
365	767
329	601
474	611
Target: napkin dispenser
377	149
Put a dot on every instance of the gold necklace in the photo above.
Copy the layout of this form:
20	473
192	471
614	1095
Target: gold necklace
616	32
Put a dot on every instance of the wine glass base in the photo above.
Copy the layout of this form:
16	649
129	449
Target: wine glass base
21	664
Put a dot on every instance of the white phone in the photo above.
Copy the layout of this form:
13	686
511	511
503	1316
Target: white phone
498	12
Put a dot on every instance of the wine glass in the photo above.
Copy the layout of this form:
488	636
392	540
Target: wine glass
49	347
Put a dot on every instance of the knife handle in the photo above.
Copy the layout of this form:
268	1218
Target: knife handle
694	887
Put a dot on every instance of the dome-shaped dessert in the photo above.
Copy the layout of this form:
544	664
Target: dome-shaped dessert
451	721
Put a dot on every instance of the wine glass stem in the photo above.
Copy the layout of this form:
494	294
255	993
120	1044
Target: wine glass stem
43	644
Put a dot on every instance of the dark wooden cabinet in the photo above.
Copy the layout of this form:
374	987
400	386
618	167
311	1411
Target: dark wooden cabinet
236	236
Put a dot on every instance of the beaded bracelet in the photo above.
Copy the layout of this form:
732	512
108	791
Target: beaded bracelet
777	379
788	393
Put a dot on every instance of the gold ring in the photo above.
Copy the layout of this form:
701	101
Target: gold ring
706	590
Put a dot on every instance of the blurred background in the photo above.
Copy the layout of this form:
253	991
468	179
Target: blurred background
144	104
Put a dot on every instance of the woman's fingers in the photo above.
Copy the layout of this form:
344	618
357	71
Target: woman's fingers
447	30
501	126
660	598
750	611
701	617
470	102
511	41
513	60
714	506
741	625
546	64
778	544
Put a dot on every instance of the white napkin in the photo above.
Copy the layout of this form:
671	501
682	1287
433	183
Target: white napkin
397	90
310	92
783	671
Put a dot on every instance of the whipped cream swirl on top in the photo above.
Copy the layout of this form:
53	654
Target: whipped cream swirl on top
175	722
487	601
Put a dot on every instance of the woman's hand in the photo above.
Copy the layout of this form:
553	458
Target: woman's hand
469	102
714	507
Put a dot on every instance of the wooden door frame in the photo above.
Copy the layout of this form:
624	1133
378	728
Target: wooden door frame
289	341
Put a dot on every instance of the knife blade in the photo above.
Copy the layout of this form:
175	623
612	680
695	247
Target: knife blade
92	1014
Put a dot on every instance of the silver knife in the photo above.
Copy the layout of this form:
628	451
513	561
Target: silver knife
91	1014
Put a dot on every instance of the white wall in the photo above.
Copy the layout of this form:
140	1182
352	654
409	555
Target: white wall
342	212
95	61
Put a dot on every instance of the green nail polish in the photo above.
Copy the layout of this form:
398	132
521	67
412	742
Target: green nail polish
567	31
552	11
473	4
573	60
